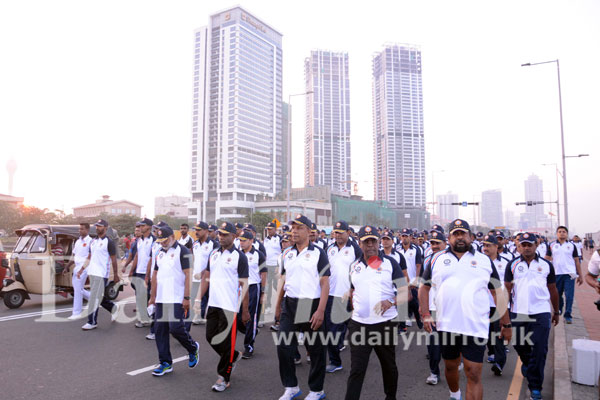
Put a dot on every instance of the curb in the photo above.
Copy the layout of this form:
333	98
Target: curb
562	376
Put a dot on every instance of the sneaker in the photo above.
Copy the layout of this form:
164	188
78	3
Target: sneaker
89	327
297	361
220	385
332	368
199	321
402	330
163	368
247	354
308	358
261	325
274	327
315	395
140	324
194	357
342	348
151	336
408	323
76	316
497	369
491	359
536	395
291	393
568	321
432	379
114	314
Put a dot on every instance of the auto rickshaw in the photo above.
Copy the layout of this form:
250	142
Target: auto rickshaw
36	267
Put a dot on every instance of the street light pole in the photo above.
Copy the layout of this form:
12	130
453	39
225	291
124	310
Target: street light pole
289	152
433	189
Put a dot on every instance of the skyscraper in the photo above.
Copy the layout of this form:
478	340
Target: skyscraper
398	144
534	216
491	208
237	132
327	139
448	211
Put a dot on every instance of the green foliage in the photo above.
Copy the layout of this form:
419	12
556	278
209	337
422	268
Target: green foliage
173	222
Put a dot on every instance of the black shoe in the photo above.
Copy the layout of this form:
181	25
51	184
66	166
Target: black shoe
497	369
247	354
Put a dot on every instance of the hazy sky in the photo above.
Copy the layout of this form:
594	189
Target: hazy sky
96	97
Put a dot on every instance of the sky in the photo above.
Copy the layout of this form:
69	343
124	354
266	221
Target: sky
96	97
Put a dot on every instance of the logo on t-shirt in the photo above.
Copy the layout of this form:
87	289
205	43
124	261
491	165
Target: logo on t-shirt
521	268
85	244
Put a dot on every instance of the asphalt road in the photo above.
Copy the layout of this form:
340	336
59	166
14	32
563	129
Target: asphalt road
57	360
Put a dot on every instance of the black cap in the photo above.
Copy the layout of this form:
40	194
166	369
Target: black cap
490	239
163	233
137	224
227	227
285	228
302	220
479	235
420	235
437	236
146	221
437	228
460	225
387	234
246	235
368	232
212	227
285	237
499	234
101	222
271	225
405	232
160	224
239	226
340	226
250	227
528	237
313	227
201	225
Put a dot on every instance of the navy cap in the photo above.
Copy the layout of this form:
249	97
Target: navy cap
415	235
368	232
352	229
301	220
437	236
201	225
250	227
246	236
437	228
285	228
479	234
500	234
138	224
340	226
460	225
387	234
101	222
227	227
285	237
420	235
313	227
160	225
147	221
163	233
238	226
528	238
405	232
490	239
271	225
212	227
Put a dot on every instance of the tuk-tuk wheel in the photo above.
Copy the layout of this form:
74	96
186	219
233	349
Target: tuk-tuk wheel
14	299
112	291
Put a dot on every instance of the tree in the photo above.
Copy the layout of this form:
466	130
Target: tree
259	220
173	222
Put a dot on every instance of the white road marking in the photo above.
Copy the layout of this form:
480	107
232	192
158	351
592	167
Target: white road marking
51	312
150	368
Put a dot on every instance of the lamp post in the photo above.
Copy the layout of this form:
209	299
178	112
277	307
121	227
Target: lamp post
289	151
433	189
562	135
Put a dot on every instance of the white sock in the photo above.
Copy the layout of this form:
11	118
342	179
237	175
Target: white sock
455	395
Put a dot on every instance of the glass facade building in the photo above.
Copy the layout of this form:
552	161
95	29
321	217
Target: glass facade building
398	143
327	138
237	152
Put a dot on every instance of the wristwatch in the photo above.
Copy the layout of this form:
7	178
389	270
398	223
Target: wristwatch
507	325
186	297
393	301
556	312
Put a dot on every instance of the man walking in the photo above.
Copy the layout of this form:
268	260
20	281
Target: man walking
81	252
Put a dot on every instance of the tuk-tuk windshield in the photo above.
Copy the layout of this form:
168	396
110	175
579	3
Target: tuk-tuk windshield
39	244
23	241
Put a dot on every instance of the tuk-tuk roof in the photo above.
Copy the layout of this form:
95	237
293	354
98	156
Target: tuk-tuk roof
67	230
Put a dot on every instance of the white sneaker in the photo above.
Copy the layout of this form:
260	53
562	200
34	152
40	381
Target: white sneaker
432	379
114	314
461	366
151	336
199	321
75	316
89	327
315	395
408	323
291	393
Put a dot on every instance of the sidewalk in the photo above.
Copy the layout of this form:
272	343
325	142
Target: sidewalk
586	325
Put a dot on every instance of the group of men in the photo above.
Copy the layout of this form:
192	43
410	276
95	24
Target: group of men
466	290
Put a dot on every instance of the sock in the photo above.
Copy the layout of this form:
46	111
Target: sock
455	395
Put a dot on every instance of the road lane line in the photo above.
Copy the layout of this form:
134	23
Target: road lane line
51	312
517	381
150	368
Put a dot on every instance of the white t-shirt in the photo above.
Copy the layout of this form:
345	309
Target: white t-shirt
256	265
373	283
81	251
201	253
144	253
563	257
170	278
594	264
101	250
226	268
462	291
413	257
303	271
339	266
530	294
273	248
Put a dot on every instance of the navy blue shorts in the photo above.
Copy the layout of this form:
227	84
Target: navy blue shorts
455	344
